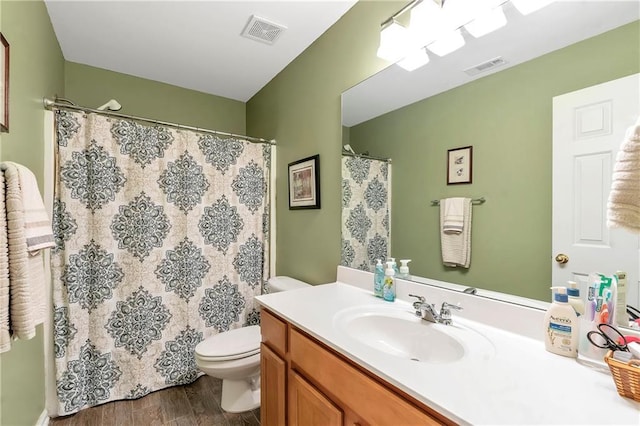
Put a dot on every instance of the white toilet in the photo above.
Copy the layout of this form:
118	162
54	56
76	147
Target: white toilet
234	357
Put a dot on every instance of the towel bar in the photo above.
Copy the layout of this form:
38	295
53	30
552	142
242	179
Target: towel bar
480	200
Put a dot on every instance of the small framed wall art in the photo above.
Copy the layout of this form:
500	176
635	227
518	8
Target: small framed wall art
304	183
4	84
459	165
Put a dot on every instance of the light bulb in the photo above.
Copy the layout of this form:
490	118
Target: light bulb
427	22
415	60
487	22
394	42
447	43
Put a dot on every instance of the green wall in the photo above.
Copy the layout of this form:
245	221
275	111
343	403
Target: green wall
507	118
300	108
92	87
37	69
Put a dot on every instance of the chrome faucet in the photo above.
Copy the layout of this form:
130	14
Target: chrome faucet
428	312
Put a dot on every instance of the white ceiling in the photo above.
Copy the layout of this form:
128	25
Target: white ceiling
523	38
191	44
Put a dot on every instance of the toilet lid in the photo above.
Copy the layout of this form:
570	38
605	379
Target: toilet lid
237	343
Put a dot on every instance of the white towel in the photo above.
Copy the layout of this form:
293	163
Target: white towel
623	206
456	248
453	221
5	336
26	271
36	221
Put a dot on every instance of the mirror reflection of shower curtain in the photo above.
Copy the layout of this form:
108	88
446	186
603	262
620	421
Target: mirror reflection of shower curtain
366	207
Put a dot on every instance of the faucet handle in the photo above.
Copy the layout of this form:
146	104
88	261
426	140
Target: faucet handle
418	303
445	313
446	306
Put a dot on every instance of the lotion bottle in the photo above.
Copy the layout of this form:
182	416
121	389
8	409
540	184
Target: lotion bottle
389	287
573	292
378	279
561	326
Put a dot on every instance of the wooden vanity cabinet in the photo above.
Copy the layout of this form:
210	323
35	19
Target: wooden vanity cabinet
306	383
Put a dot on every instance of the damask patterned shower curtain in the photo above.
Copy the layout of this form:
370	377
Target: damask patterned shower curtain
162	241
365	212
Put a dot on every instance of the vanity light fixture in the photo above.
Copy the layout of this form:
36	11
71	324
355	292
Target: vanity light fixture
394	41
437	25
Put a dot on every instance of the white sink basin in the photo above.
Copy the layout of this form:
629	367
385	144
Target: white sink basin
400	333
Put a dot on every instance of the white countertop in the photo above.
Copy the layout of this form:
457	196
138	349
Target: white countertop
521	383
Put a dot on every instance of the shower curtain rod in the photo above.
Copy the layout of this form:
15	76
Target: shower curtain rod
368	157
49	104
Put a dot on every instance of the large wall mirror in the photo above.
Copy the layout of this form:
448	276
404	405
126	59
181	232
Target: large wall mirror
506	114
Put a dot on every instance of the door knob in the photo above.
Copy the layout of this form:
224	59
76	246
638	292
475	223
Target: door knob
562	258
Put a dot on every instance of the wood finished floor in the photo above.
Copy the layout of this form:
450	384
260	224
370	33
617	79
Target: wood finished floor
195	404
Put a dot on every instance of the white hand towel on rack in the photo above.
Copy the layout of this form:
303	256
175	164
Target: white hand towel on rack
453	221
456	248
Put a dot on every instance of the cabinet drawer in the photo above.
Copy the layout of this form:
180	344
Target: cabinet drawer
372	401
274	332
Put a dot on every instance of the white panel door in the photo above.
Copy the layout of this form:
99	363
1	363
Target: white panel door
589	126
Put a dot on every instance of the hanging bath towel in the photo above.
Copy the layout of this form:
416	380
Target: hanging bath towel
623	207
26	270
456	247
5	340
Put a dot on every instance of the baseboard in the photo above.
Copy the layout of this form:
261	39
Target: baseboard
43	420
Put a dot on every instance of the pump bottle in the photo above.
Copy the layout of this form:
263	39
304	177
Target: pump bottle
574	298
561	326
378	279
404	269
389	287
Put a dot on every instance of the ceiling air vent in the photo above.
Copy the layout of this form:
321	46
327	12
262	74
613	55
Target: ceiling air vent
263	30
485	66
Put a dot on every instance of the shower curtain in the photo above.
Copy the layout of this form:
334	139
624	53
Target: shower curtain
366	205
161	241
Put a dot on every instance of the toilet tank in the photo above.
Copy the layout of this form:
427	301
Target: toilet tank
282	283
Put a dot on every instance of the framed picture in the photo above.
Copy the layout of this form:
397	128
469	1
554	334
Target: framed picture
4	84
304	183
459	165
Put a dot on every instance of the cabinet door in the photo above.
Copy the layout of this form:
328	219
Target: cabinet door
273	372
308	407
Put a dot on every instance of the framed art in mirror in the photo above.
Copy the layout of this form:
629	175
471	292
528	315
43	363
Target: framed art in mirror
4	85
304	183
459	165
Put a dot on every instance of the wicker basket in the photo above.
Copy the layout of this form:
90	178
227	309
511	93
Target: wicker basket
626	376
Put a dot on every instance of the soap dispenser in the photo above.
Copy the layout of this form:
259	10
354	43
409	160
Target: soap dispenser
394	265
389	287
404	269
573	293
561	326
378	279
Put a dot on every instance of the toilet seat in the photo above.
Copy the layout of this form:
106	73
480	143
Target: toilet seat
234	344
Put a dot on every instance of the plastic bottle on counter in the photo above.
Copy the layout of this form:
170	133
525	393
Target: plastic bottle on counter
394	265
622	319
389	287
404	269
573	293
378	279
561	325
